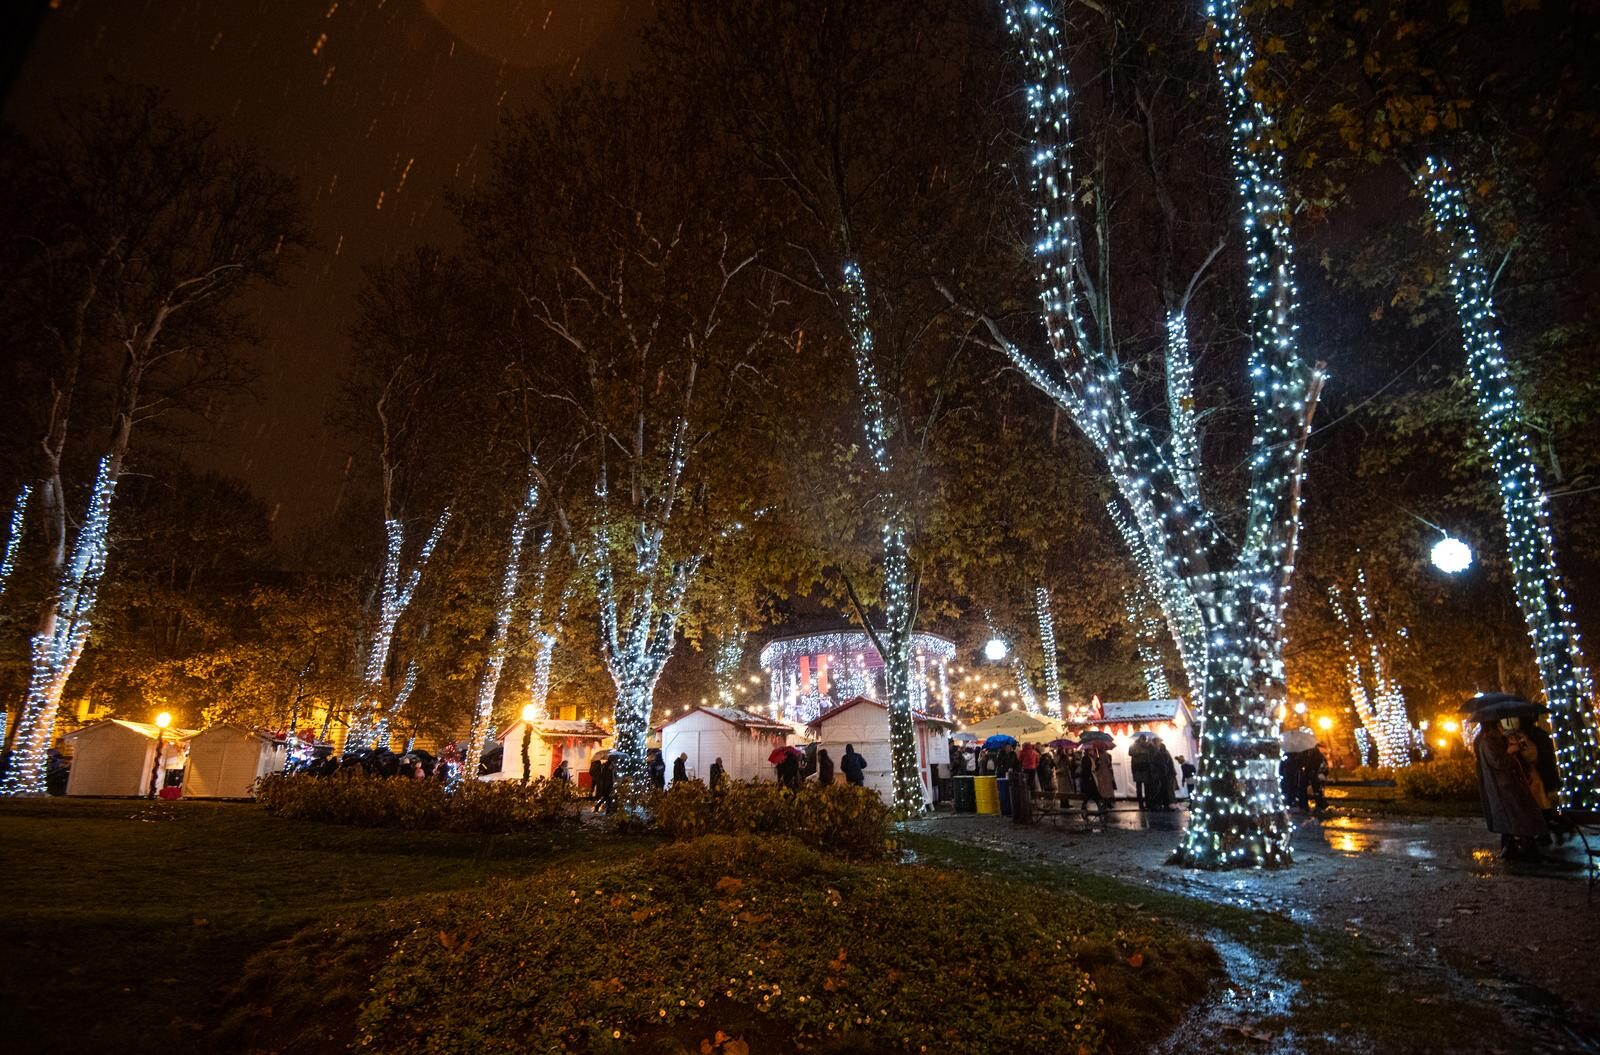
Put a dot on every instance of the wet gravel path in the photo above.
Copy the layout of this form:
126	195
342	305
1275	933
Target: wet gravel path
1431	892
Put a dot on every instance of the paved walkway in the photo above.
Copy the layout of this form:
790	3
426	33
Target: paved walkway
1422	887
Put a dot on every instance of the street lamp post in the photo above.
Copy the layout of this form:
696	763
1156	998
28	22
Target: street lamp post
529	713
162	721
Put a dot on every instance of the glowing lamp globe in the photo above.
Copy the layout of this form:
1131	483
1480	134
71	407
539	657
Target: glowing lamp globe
1324	723
994	650
1450	555
163	720
529	713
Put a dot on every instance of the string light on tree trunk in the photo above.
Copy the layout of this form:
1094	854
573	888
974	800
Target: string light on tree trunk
369	725
894	643
500	635
1047	643
1540	591
8	560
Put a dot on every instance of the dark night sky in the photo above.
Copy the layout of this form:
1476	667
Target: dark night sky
376	107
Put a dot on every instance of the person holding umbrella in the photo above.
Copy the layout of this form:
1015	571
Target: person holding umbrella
1096	781
1509	808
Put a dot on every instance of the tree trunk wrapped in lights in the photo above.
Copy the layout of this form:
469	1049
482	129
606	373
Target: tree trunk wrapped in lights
500	636
544	637
8	559
1379	702
1047	643
1540	592
1171	595
1147	634
637	641
59	642
1238	588
370	720
893	642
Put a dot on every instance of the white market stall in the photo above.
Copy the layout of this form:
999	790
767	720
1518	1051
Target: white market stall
1171	721
741	739
225	761
555	740
1027	727
115	757
865	723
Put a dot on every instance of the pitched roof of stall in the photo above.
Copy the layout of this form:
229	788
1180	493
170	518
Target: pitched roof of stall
1139	711
142	728
838	709
736	717
561	728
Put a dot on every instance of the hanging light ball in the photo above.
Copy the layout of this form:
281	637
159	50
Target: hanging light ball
1450	555
994	650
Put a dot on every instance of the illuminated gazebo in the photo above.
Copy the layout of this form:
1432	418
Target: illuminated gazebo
810	673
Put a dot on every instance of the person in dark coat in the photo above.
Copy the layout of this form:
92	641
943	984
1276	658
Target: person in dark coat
1163	775
1187	769
717	773
1545	764
658	771
1047	771
854	766
1087	786
1508	805
1139	765
596	764
824	768
562	773
1021	789
789	771
605	795
680	767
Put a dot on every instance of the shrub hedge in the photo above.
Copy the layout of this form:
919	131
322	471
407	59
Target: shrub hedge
840	819
1444	778
747	943
417	805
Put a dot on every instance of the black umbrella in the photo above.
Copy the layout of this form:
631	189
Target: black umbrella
1487	699
1511	708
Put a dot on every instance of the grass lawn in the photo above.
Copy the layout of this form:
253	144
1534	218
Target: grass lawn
125	922
136	927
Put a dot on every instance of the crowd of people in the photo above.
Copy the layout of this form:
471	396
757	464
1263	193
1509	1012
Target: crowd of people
1061	772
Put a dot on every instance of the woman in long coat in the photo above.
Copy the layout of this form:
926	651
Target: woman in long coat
1508	804
1105	781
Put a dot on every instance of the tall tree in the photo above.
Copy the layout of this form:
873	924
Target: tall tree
1239	586
644	331
405	396
1540	591
148	229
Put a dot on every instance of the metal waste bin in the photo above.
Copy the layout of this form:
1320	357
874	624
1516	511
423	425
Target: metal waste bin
964	791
